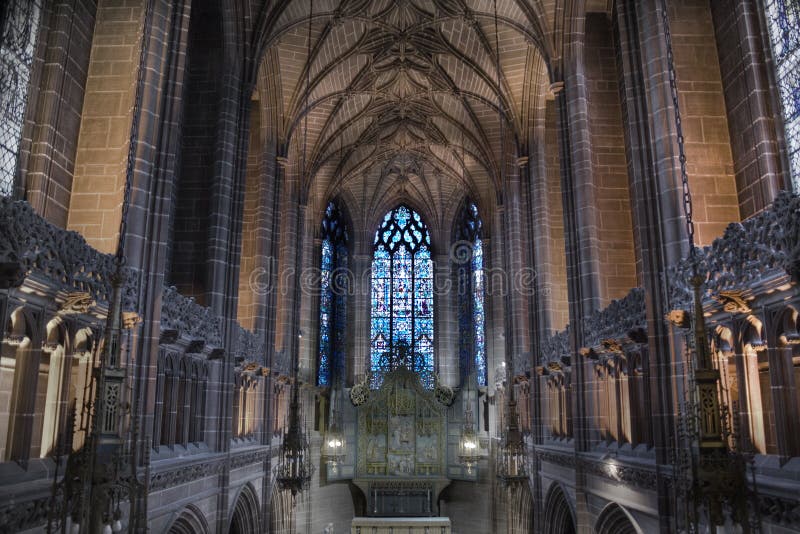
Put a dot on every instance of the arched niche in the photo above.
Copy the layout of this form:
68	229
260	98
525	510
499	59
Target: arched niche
559	517
245	518
189	521
614	519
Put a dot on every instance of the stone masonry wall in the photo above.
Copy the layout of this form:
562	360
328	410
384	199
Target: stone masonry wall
201	107
558	289
609	166
250	222
50	136
705	126
751	116
105	129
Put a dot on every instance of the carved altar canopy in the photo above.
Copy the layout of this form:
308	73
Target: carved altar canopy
401	430
401	446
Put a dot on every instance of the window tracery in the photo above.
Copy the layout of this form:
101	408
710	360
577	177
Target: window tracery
402	297
333	296
20	26
181	405
168	378
244	423
783	20
472	317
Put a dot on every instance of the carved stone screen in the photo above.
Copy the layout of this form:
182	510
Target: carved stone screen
401	451
401	430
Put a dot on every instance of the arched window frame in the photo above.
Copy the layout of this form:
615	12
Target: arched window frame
17	347
402	241
169	379
19	28
471	294
182	404
198	399
238	408
333	296
783	25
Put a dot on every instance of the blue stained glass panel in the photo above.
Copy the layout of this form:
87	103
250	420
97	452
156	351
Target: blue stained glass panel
424	307
783	19
381	342
381	295
20	25
477	310
402	296
401	216
471	315
381	326
323	373
333	297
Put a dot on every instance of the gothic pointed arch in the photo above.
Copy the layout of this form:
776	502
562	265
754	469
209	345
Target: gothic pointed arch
246	518
558	515
783	23
189	521
467	254
402	318
280	511
334	283
614	519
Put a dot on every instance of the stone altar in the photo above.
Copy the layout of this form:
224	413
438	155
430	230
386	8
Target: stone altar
397	525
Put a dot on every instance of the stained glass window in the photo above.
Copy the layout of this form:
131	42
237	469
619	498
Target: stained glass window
472	319
783	19
20	25
402	297
333	297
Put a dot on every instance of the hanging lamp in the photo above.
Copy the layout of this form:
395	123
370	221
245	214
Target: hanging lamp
510	461
295	468
334	444
718	484
468	445
102	474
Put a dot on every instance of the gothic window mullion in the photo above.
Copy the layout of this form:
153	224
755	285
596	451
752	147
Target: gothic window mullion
413	306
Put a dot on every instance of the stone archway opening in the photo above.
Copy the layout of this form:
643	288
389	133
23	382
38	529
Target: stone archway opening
246	518
615	520
558	517
190	521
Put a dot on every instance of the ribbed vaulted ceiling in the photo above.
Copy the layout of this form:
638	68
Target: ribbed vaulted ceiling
403	95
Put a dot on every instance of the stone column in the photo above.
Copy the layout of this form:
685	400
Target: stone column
581	239
783	384
50	135
358	317
655	191
445	309
751	109
154	168
517	268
